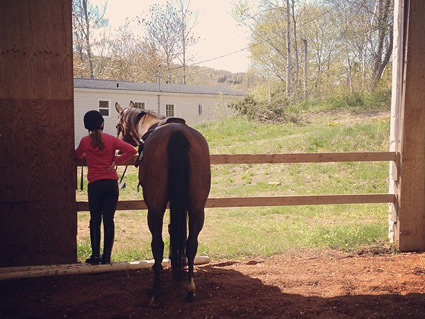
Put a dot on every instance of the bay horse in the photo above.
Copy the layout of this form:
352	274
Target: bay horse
174	168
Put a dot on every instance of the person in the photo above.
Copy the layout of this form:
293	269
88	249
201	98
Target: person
99	150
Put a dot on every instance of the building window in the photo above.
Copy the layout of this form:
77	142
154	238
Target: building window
104	107
200	109
140	105
169	110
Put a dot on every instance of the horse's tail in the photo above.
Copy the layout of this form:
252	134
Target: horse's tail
178	188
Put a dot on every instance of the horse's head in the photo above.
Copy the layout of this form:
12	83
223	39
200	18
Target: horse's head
133	123
128	123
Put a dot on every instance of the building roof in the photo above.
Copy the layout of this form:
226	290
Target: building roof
153	87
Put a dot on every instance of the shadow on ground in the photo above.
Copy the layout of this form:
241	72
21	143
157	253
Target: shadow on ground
222	293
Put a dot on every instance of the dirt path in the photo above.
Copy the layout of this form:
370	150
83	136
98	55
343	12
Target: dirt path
310	284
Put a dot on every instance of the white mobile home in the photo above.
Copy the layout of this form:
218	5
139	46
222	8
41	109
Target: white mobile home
194	103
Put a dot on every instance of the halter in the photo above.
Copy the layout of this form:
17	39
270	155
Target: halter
137	141
131	134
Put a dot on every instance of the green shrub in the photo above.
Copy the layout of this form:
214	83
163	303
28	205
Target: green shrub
280	109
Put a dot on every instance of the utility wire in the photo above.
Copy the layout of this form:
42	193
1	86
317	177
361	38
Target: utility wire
258	43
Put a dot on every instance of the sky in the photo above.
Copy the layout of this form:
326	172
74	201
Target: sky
218	31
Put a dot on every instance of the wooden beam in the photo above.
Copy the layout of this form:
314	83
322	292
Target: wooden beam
267	201
409	211
72	269
302	158
299	200
290	158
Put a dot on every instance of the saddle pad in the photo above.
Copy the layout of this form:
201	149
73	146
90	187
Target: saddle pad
169	120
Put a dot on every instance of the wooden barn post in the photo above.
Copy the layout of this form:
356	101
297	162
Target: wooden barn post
38	217
407	217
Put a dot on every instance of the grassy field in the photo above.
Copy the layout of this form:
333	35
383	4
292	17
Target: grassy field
235	233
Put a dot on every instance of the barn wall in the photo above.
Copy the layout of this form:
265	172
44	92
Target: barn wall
186	106
37	171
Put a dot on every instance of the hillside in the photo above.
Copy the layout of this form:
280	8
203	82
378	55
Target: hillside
208	76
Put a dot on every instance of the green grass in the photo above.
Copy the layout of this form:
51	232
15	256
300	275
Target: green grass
246	232
232	233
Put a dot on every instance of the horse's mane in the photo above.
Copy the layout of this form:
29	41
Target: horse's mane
133	115
154	115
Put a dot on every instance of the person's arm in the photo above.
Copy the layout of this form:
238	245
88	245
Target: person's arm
80	151
127	151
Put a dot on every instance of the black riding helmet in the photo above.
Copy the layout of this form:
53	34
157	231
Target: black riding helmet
93	120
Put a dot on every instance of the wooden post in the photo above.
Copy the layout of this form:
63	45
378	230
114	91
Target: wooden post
38	220
407	218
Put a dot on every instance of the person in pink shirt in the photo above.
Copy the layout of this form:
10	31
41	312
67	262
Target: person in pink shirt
99	150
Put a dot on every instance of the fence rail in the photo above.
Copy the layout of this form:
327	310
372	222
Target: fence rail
291	158
281	200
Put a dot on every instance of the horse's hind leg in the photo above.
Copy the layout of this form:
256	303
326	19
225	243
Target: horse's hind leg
157	244
196	222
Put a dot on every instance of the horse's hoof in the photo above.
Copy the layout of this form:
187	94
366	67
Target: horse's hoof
190	291
154	303
190	297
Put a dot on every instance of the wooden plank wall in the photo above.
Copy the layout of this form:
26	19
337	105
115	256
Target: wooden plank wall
38	217
409	187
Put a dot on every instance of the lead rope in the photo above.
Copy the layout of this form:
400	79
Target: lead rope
140	155
122	185
81	179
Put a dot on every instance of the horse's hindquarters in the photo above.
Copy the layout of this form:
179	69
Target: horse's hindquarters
155	164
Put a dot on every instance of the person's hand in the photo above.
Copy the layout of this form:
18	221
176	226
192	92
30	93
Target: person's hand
112	167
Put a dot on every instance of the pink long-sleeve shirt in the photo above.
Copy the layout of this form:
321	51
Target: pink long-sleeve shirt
99	162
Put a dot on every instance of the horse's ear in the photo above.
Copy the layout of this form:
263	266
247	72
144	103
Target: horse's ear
118	108
132	104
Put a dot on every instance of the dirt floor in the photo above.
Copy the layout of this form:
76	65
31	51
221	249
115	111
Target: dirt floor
309	284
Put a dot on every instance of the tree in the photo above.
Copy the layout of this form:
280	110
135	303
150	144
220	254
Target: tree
170	29
265	21
297	59
187	37
131	58
86	18
368	35
349	43
163	33
270	26
382	21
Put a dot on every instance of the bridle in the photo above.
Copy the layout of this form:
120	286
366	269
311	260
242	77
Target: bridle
131	135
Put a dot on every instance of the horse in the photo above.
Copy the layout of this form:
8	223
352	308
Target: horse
174	168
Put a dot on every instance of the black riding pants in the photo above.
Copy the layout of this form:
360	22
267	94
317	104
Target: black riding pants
103	198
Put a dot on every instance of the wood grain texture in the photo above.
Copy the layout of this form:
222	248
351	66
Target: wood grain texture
267	201
302	158
289	158
412	164
36	40
37	198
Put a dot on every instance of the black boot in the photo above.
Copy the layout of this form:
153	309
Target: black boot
95	244
93	260
108	243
